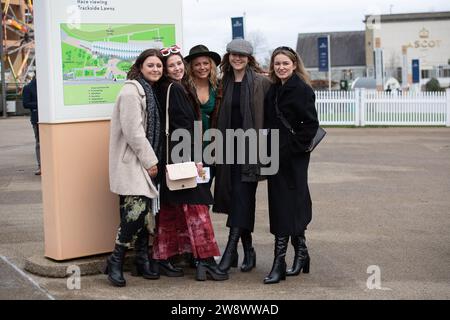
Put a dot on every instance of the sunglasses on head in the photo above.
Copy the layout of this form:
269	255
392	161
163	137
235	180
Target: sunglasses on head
167	51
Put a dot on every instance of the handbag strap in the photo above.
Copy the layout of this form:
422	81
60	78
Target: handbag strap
167	122
282	118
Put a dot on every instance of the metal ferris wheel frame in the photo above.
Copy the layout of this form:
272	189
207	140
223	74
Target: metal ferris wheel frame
18	40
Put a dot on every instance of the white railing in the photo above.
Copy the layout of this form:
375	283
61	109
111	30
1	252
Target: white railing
365	108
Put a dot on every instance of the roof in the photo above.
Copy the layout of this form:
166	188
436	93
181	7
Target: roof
408	17
364	83
347	48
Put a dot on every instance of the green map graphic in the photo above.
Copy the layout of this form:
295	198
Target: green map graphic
97	57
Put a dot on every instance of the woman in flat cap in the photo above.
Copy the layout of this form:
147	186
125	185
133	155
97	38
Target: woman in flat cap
242	107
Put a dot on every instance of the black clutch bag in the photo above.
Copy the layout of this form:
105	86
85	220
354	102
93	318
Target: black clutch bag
320	134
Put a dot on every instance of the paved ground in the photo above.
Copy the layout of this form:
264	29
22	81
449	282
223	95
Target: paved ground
381	198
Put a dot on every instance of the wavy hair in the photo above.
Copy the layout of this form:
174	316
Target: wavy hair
295	58
185	83
135	71
213	76
225	66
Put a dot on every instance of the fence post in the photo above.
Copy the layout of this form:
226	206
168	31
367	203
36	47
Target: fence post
362	106
448	107
357	101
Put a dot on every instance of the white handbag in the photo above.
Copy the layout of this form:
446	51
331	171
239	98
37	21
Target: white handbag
179	176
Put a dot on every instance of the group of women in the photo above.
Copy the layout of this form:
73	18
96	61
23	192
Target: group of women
162	83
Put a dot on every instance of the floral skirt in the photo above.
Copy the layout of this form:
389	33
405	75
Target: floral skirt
184	229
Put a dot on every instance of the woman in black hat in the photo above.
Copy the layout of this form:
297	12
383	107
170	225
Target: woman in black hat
202	71
242	107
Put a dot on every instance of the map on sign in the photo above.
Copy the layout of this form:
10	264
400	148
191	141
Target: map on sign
97	57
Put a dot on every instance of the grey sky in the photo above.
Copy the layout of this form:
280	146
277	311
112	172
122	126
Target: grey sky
280	21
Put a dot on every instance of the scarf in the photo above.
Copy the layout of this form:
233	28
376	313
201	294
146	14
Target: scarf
153	133
249	172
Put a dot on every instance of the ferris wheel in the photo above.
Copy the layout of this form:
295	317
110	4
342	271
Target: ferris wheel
18	40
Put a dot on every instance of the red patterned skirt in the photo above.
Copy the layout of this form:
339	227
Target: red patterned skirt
184	229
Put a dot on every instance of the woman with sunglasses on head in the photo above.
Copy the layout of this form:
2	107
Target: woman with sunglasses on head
290	103
183	223
135	148
242	107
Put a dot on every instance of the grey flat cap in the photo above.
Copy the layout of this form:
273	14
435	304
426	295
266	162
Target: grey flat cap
240	46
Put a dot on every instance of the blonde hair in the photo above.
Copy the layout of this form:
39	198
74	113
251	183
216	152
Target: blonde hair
213	78
295	58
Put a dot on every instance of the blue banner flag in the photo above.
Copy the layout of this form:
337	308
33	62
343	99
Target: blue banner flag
323	54
238	27
416	70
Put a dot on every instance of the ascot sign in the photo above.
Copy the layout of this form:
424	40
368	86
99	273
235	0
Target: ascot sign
425	42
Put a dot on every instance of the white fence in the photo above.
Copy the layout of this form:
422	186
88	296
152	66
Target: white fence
368	108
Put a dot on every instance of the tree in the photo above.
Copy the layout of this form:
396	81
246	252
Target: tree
433	85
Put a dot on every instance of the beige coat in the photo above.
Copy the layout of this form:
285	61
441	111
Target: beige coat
130	153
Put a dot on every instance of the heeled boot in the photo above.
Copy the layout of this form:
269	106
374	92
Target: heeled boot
114	266
144	266
230	256
208	270
169	270
249	261
301	258
278	271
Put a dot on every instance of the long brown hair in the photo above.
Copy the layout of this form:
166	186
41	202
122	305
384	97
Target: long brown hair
225	66
135	71
295	58
189	90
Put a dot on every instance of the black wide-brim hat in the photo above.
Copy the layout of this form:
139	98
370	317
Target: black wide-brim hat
203	51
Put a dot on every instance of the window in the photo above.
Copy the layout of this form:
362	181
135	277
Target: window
426	74
446	73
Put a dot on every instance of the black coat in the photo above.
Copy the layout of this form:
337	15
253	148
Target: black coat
182	115
30	100
290	208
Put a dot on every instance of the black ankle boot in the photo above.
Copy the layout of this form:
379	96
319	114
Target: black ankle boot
230	256
301	258
249	261
144	266
278	271
168	269
207	270
114	266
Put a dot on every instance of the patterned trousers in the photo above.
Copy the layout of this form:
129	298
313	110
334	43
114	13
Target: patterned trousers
134	219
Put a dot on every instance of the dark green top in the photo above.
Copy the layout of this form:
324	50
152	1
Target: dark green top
207	110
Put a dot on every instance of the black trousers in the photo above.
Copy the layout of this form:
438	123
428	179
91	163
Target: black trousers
243	201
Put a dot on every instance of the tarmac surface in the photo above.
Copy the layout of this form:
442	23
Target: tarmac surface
380	230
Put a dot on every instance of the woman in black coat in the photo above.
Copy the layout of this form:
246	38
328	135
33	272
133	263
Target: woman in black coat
183	223
290	102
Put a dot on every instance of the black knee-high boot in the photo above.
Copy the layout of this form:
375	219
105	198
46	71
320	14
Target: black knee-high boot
278	271
230	255
249	261
144	265
114	266
301	258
